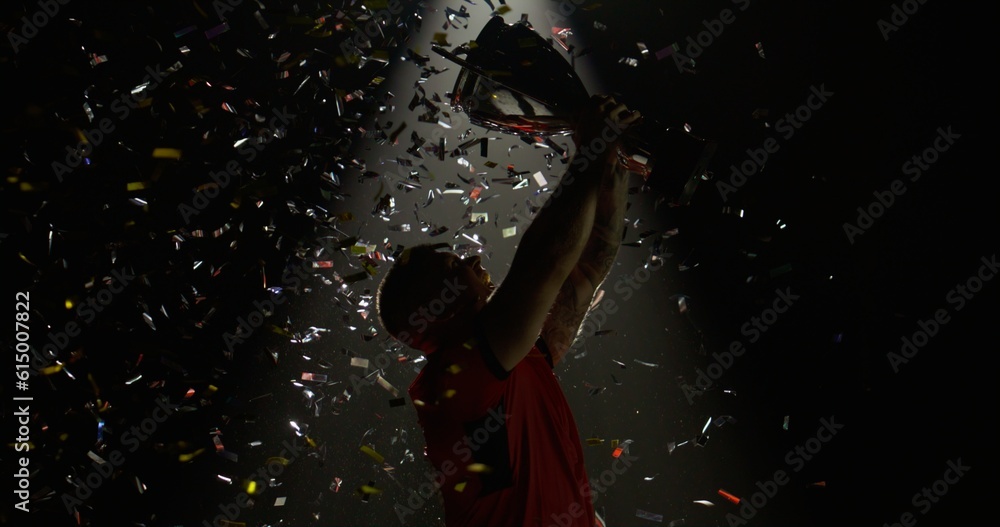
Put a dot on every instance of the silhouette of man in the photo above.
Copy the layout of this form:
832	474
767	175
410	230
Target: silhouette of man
496	423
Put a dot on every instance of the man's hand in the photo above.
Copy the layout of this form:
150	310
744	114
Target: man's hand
602	126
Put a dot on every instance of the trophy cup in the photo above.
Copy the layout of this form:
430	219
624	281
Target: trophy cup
513	81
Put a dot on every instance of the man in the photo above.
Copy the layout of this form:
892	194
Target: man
497	425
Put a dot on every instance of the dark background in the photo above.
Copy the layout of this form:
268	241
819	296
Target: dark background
826	358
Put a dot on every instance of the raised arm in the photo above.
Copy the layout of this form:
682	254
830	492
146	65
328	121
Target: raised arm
551	247
576	294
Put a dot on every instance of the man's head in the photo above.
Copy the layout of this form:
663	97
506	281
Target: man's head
428	293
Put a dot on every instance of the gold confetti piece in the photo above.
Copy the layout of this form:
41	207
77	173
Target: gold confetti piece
279	460
318	33
250	486
459	487
480	468
166	153
201	11
368	489
441	39
52	369
504	9
372	453
281	331
184	458
594	441
25	186
135	185
448	394
454	369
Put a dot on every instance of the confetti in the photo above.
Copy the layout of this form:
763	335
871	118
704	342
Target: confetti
649	516
729	496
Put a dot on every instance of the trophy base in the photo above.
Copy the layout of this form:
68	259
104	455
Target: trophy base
670	161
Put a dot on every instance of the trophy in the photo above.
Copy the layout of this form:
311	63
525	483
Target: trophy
513	81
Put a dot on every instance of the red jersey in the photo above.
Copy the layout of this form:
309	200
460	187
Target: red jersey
505	444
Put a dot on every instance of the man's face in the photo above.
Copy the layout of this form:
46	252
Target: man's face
464	289
469	272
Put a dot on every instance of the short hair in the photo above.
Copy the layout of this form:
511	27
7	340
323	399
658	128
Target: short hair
404	290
